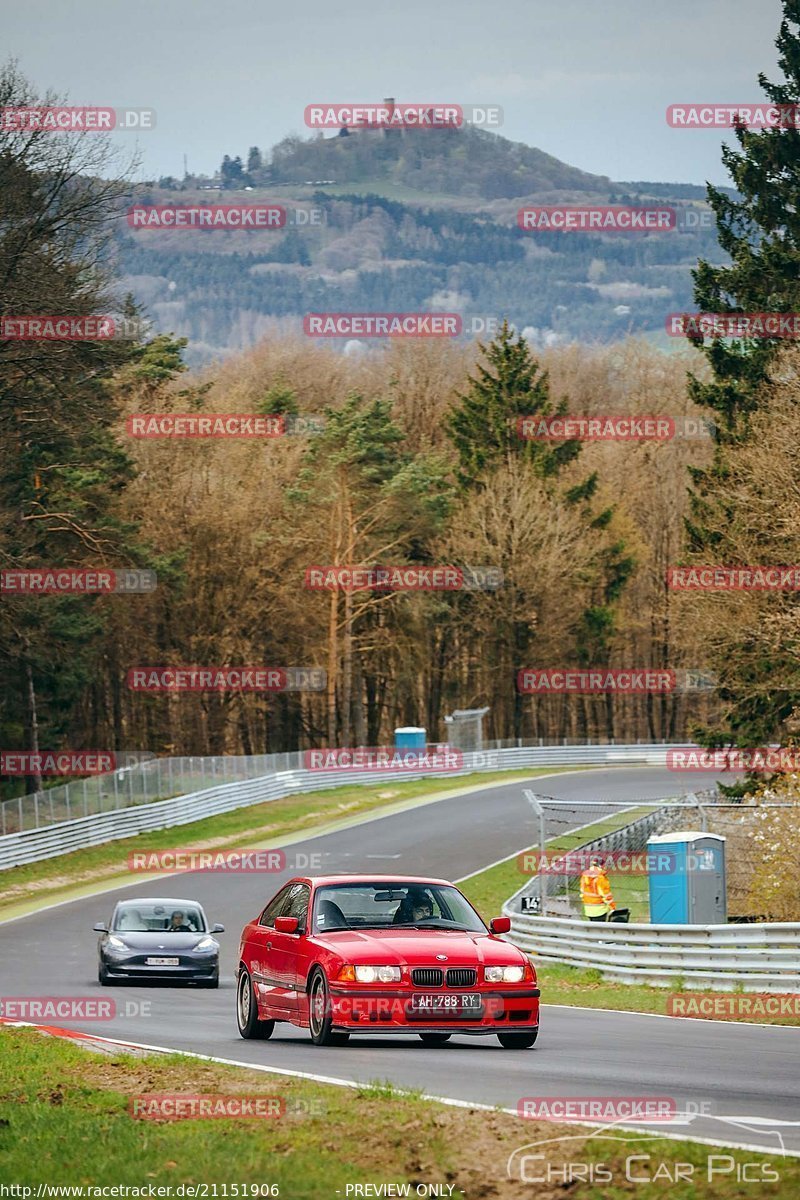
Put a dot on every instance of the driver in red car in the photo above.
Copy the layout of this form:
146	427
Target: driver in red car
415	906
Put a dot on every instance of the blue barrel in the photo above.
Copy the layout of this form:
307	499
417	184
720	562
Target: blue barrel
410	737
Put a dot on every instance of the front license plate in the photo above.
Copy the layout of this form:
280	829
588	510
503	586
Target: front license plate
162	962
442	1003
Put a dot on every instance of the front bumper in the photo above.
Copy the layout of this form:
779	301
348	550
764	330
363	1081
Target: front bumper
136	968
367	1009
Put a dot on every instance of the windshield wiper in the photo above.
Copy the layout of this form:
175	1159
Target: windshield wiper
429	925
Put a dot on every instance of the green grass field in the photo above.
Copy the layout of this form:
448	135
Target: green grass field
65	1121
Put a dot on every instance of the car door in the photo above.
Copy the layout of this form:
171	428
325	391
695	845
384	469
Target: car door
264	965
286	946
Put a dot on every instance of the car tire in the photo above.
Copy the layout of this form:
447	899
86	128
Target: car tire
320	1018
518	1041
102	976
435	1039
213	982
247	1010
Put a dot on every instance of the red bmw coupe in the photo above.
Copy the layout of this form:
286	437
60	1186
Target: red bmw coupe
342	954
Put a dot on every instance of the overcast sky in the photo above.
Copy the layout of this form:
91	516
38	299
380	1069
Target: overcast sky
585	80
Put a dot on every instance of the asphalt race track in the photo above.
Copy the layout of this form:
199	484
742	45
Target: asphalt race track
745	1078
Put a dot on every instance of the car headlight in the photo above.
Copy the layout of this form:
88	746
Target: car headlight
206	943
115	943
378	974
513	974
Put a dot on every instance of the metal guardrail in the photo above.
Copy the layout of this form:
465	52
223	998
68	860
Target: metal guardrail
61	837
757	957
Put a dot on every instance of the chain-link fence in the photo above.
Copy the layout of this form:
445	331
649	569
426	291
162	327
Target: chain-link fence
134	784
550	882
465	728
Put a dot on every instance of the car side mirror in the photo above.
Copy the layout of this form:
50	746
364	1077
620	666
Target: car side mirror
500	924
286	924
217	928
100	927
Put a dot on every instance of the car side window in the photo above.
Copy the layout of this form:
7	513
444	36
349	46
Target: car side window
299	896
274	908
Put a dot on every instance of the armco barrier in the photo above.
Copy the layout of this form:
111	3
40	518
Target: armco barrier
32	845
757	958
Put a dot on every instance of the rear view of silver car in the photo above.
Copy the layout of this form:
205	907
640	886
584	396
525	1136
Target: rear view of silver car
158	939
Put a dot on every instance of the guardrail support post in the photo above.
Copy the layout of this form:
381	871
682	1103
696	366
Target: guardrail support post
539	810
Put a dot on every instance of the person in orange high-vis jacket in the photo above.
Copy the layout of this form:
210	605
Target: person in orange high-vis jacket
596	892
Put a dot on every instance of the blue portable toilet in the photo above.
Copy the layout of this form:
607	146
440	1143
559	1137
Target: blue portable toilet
687	878
410	737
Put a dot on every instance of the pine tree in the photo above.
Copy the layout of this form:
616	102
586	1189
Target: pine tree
760	231
484	427
484	430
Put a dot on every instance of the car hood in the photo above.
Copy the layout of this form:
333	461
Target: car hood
169	943
403	946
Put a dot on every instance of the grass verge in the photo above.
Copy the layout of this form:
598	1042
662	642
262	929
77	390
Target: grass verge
562	984
36	884
65	1121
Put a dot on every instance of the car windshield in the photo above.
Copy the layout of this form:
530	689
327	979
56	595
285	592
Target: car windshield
389	905
139	916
